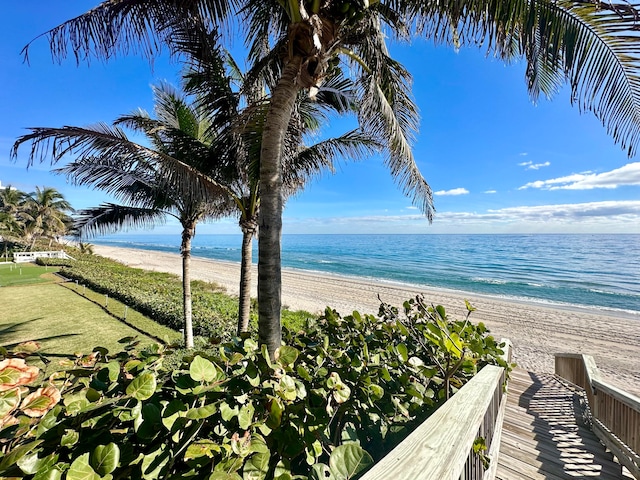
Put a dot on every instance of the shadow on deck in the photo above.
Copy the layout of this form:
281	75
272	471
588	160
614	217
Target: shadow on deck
546	435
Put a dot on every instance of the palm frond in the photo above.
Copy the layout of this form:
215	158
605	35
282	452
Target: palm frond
110	218
592	46
128	26
315	159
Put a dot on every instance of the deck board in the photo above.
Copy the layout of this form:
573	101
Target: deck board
545	435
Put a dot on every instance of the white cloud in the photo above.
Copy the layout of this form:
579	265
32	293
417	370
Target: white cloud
490	191
523	154
534	166
627	175
412	207
592	217
455	191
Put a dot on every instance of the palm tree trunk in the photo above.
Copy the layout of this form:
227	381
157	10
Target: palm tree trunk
270	224
248	231
185	249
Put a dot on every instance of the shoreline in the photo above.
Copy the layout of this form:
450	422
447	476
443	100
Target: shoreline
537	331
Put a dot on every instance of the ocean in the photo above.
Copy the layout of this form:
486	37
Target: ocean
597	271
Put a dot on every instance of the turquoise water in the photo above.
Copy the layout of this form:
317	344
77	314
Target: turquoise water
601	271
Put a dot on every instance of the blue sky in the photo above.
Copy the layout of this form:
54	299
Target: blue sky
496	162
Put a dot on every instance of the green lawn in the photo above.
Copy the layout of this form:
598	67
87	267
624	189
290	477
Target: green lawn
25	273
62	321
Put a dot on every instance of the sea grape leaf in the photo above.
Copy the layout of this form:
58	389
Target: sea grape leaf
105	458
256	467
9	401
51	473
16	454
199	413
31	464
321	472
202	369
224	476
347	460
81	470
287	355
245	417
142	387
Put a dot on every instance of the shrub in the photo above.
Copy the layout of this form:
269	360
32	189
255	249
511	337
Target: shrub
229	412
157	295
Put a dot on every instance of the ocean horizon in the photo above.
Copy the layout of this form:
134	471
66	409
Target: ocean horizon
600	271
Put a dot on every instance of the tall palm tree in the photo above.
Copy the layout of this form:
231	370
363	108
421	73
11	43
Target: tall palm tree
590	44
240	105
142	178
44	214
11	224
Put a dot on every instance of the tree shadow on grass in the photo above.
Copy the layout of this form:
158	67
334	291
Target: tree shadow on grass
14	327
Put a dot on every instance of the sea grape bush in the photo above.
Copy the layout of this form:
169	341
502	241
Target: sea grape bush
337	396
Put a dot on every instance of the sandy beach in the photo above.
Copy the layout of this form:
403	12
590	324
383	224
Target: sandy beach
537	332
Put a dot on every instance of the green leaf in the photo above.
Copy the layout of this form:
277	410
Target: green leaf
142	387
52	473
346	461
105	458
201	448
224	476
256	467
376	392
321	472
16	454
69	438
172	412
31	464
199	413
81	470
287	355
470	308
245	417
227	412
403	352
9	401
202	369
153	462
275	413
114	370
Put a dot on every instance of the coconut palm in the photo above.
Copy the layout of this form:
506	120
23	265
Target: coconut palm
11	203
142	178
44	214
240	105
592	45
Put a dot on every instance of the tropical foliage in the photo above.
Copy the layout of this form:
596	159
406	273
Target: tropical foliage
231	412
28	218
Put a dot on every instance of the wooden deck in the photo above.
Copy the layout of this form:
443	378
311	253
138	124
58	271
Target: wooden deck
545	434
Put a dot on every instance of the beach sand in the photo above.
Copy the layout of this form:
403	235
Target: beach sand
537	332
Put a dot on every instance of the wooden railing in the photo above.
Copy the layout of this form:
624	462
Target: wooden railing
615	413
442	446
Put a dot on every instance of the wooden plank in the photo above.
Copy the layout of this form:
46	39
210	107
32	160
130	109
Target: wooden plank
439	447
542	438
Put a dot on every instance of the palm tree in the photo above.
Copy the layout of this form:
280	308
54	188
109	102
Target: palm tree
239	120
143	178
44	215
11	203
590	44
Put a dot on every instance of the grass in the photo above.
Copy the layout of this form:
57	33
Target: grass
62	321
12	274
125	314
